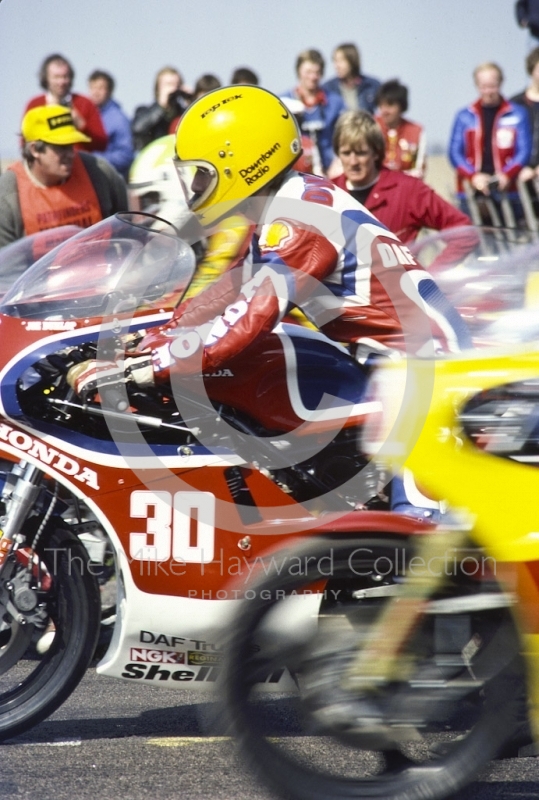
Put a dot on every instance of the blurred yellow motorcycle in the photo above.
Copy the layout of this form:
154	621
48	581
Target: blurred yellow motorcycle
423	661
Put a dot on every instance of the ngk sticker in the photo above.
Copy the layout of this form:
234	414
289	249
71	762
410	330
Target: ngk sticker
157	656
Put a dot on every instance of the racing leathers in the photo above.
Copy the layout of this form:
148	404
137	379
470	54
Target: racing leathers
315	248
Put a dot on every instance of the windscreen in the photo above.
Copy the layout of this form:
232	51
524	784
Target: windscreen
126	262
17	257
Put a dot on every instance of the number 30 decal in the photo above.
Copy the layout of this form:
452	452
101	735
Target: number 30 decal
181	527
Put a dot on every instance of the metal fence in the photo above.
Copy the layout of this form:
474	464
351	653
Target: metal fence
500	213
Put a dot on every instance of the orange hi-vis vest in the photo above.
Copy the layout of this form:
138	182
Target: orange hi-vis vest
71	203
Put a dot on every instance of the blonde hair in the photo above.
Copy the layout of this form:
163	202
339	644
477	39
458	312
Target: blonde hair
356	128
488	65
165	71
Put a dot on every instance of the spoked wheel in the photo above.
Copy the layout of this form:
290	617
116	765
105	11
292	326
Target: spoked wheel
44	655
420	729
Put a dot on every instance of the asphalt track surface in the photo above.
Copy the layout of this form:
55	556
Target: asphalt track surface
119	741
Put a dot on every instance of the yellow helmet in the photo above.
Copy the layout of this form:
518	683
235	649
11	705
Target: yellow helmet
229	144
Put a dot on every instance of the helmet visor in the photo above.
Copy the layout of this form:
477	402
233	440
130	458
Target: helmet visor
198	180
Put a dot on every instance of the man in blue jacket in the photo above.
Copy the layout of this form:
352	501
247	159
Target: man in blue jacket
491	139
119	151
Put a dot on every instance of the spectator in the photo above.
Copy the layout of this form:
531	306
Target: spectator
322	108
54	185
171	100
490	139
244	75
305	162
119	150
406	145
529	98
356	90
404	204
527	12
206	83
56	77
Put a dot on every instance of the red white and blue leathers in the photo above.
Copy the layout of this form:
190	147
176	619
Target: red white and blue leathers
318	249
511	141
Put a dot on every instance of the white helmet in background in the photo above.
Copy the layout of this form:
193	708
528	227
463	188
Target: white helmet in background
153	183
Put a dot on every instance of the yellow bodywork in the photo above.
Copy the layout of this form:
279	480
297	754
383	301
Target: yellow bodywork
421	431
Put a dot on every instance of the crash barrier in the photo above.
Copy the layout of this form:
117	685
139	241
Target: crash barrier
500	212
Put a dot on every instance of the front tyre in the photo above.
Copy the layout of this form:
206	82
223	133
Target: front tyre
41	664
457	683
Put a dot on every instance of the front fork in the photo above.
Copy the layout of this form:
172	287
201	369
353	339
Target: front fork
20	588
20	493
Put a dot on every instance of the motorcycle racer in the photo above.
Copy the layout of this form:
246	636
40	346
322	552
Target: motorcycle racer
309	245
301	225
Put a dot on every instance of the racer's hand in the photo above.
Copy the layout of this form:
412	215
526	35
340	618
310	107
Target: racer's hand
179	351
91	376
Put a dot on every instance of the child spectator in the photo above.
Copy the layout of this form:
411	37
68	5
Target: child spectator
406	145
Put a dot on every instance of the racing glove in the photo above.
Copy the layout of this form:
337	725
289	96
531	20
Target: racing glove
93	376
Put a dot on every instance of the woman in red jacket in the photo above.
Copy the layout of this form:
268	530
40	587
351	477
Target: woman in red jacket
404	204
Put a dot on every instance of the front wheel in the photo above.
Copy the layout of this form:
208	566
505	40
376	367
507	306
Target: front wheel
420	730
43	657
